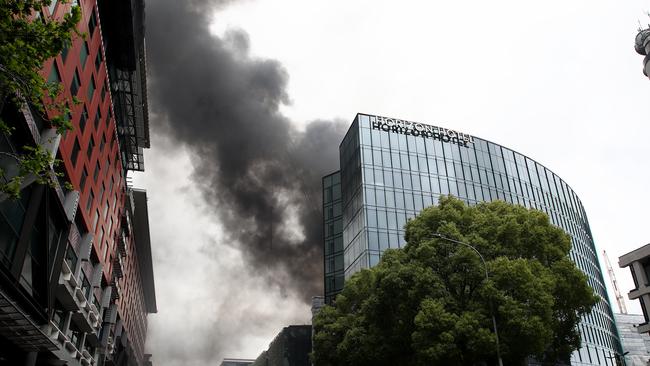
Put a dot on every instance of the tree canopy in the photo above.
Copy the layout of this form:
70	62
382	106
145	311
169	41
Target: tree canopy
27	41
430	303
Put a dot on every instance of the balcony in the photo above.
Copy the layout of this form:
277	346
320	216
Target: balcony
121	243
86	358
118	269
80	297
68	288
126	222
110	345
87	319
116	293
71	347
56	334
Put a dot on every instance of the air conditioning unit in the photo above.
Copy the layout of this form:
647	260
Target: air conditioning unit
65	268
74	283
70	347
81	297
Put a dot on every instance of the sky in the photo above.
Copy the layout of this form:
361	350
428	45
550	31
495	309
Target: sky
249	99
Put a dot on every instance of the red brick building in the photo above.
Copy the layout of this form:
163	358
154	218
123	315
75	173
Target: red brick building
76	277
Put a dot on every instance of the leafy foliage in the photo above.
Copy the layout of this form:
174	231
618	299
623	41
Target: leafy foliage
430	304
26	42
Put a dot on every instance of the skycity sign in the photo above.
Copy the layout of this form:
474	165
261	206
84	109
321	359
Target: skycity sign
420	130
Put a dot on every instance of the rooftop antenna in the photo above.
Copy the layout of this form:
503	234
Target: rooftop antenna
617	292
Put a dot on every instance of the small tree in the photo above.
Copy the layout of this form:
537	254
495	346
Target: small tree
26	42
430	304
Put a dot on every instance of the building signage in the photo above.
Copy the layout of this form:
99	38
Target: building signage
420	130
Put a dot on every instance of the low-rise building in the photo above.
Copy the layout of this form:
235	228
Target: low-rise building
291	347
636	346
236	362
639	262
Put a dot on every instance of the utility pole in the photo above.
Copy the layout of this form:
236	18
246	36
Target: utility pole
487	279
617	292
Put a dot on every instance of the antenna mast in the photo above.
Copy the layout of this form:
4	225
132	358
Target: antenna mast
617	292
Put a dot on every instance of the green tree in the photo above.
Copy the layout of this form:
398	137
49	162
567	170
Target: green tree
27	40
430	304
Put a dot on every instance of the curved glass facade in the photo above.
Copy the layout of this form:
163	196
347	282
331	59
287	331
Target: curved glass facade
391	169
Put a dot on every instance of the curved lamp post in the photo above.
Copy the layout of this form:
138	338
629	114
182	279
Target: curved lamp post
487	278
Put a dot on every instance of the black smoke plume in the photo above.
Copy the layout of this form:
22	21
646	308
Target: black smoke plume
253	166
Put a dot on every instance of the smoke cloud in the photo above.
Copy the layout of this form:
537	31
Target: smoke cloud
257	173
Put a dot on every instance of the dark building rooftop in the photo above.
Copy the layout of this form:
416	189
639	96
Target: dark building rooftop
125	58
143	248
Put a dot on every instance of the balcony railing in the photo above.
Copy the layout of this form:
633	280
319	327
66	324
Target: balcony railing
121	243
118	270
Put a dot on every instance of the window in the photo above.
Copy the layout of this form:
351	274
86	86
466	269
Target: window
65	50
102	143
55	76
83	54
84	176
52	7
92	23
91	146
101	191
85	284
91	88
91	198
95	220
98	117
104	253
98	60
104	93
74	85
101	237
83	119
75	151
68	116
12	213
32	273
96	172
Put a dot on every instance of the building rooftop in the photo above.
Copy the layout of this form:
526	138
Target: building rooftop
236	362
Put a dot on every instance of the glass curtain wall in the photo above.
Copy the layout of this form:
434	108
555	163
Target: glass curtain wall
333	233
388	177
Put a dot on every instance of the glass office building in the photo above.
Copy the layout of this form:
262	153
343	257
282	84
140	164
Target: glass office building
391	169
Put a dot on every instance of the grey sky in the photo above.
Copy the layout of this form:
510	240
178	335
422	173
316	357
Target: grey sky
559	82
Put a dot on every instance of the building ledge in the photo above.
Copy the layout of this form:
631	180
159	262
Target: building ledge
643	328
635	294
20	329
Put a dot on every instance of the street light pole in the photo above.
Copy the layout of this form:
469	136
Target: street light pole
487	278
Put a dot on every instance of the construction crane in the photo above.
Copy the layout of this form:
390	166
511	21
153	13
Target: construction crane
617	292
